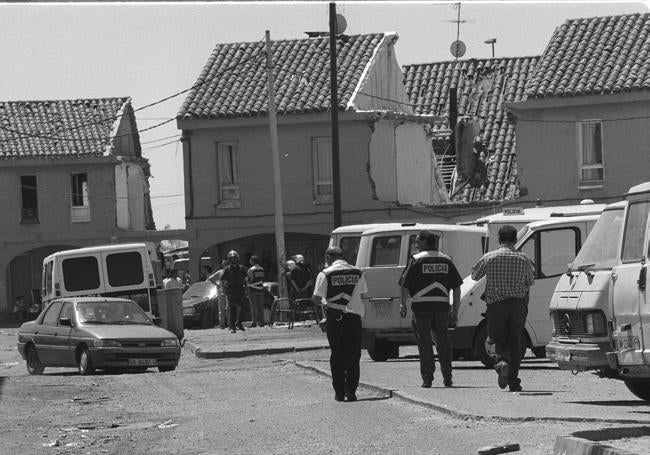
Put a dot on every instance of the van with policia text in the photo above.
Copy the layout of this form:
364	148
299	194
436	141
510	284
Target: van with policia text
117	270
600	308
552	244
382	254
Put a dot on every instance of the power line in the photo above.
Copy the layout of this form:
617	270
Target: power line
111	119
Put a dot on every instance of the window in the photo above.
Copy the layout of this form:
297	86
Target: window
635	227
29	193
124	269
79	198
51	317
67	311
80	274
350	248
228	174
385	251
552	250
591	152
322	169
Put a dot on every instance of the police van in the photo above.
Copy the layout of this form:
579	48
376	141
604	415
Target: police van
600	308
382	255
118	270
552	244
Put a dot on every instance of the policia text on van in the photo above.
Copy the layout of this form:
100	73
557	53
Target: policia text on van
600	308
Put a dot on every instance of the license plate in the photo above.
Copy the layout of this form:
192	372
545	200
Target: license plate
143	362
627	343
382	310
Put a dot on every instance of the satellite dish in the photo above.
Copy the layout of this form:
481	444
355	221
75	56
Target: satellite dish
341	24
457	48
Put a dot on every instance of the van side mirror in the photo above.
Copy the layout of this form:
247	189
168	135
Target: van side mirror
65	322
157	320
643	278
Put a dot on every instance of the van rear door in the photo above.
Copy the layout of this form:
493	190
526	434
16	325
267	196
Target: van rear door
127	275
630	305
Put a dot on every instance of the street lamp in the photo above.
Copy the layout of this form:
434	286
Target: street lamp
491	41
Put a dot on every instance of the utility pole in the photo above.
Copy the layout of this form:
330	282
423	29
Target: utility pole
334	105
277	182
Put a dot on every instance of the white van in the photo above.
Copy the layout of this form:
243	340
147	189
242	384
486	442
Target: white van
348	237
552	244
600	309
383	254
119	270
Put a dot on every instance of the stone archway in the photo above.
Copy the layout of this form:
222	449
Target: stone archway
24	273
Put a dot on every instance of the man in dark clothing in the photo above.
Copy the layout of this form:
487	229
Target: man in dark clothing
509	274
233	281
300	279
428	278
256	291
339	288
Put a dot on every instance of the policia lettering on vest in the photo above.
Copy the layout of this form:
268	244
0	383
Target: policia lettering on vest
428	279
339	287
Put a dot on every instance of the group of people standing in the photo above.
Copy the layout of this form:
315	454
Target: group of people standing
236	282
432	283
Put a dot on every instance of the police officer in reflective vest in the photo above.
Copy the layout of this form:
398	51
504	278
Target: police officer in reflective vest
339	288
428	278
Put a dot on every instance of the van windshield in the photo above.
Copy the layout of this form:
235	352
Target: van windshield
601	249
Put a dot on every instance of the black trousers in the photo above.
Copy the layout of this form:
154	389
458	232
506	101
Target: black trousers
506	321
425	322
235	304
344	337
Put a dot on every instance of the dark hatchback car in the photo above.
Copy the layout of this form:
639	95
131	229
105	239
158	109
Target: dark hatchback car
200	305
92	333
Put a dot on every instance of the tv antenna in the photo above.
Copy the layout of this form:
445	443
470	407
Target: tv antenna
458	48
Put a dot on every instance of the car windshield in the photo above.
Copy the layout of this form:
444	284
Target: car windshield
201	289
111	312
601	249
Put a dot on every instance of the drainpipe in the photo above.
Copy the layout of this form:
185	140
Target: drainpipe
187	162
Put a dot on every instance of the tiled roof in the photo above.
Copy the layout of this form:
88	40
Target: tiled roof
233	82
483	88
58	129
599	55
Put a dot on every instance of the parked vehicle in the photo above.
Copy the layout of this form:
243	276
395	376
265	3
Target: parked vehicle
600	308
92	333
552	244
200	305
383	254
119	270
348	238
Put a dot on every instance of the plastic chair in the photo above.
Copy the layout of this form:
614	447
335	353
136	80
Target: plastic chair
303	307
281	310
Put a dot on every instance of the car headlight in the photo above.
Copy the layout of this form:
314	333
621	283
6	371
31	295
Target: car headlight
107	344
170	343
595	323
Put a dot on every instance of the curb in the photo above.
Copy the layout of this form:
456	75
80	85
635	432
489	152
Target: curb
396	393
196	350
586	442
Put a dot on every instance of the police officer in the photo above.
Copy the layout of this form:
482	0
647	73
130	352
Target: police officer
428	278
256	291
339	288
233	280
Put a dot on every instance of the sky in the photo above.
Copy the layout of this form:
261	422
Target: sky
150	51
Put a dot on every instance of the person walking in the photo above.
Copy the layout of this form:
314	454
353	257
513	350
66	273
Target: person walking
173	281
509	274
233	280
222	302
339	287
301	283
256	291
428	278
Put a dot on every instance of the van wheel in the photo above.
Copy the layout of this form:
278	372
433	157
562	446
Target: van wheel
86	366
34	365
481	349
639	387
382	350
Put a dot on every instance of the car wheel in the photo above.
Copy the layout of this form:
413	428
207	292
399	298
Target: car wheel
639	387
85	364
34	365
540	352
382	350
206	318
167	368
